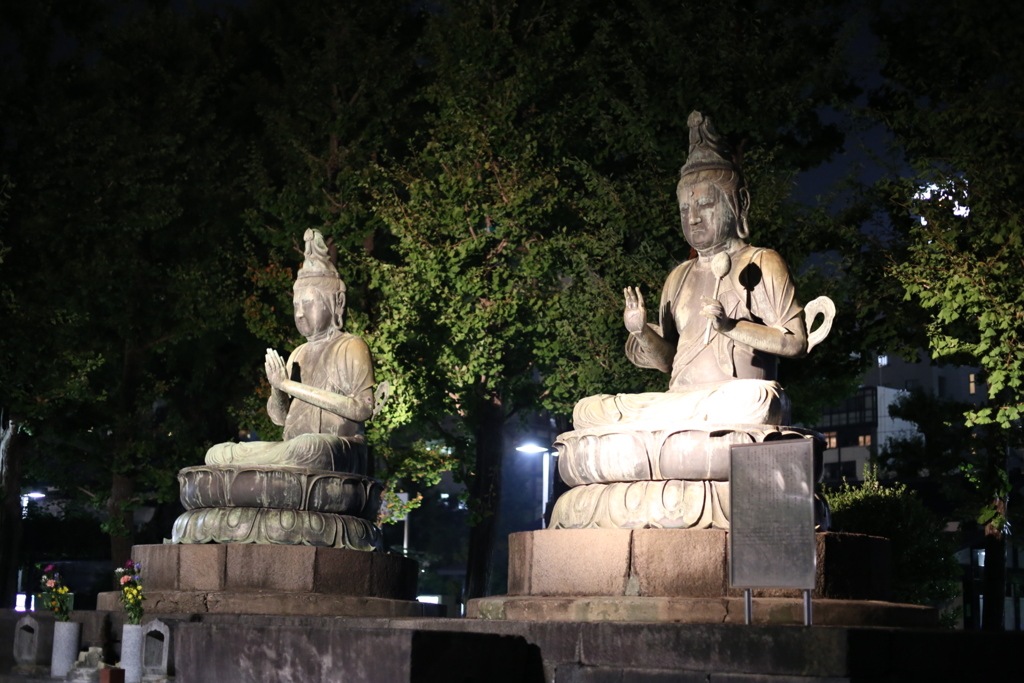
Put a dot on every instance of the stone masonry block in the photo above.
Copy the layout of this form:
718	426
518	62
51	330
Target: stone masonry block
690	563
159	564
202	566
570	562
256	567
342	571
393	576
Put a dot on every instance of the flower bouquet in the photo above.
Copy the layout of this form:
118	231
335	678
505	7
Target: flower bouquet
129	578
54	595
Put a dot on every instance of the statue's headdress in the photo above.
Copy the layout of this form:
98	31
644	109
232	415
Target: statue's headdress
710	160
707	151
317	264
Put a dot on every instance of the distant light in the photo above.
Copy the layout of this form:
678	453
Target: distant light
36	494
531	448
429	599
444	496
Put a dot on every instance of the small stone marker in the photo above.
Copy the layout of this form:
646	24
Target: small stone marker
33	641
771	535
157	644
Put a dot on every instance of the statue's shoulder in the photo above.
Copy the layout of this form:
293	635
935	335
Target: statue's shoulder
350	346
348	340
768	260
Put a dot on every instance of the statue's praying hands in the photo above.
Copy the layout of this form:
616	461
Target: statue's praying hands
275	367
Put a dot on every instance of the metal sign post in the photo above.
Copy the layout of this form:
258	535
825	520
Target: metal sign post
771	535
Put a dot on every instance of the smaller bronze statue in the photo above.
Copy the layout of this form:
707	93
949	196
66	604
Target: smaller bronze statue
324	393
312	488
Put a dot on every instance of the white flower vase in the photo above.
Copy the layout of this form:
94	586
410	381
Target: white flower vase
131	653
66	638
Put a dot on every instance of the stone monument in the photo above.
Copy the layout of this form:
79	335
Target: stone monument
289	527
641	535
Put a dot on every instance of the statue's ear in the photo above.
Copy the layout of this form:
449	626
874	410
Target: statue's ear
742	227
339	310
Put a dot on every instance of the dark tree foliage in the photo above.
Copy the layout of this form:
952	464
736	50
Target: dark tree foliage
954	101
924	568
123	262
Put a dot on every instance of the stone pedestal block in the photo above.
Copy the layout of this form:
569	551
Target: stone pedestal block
685	563
577	562
275	579
249	567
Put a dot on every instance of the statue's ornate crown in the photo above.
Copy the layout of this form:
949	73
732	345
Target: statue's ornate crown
318	261
707	151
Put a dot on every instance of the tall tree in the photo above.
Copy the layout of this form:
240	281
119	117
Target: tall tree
953	99
123	246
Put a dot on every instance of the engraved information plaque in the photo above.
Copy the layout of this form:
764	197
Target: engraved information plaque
771	536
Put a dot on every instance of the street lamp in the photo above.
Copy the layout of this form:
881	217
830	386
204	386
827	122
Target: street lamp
545	475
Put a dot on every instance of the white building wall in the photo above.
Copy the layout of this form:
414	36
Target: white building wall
889	427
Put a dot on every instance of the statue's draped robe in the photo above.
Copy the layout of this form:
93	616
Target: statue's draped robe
315	438
725	381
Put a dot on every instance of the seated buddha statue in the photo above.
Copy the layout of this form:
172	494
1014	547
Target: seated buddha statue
661	459
324	392
720	328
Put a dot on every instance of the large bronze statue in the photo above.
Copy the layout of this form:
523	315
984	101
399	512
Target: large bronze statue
312	488
662	459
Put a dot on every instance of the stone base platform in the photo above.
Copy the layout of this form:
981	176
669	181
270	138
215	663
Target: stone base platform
247	578
275	603
767	611
219	648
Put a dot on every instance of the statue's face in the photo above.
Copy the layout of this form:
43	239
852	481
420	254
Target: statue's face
314	312
708	220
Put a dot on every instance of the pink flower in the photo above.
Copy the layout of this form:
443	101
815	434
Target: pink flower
51	583
125	579
48	569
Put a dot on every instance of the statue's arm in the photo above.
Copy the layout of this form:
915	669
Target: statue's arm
646	346
353	365
784	333
786	342
357	409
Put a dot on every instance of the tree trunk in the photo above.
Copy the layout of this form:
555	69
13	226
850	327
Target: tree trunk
121	520
994	582
485	492
10	513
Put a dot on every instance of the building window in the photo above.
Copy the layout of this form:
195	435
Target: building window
864	440
831	440
972	385
883	361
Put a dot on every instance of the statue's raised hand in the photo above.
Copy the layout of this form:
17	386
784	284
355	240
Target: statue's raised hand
635	315
275	367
